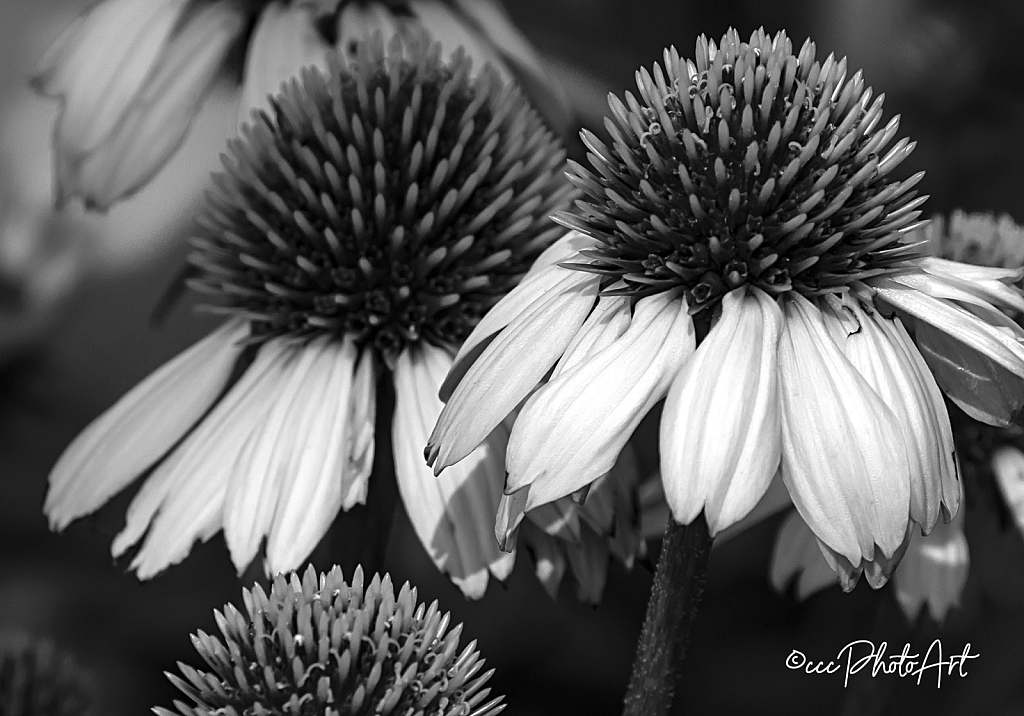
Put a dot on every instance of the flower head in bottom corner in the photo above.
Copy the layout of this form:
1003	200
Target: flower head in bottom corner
38	679
132	74
358	233
321	645
745	255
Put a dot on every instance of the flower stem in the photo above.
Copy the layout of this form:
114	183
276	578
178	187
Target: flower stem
675	594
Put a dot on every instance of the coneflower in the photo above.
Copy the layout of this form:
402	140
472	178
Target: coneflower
319	645
358	234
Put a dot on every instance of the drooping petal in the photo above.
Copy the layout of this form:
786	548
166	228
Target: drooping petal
775	499
102	63
491	20
548	556
885	355
363	421
588	561
796	555
843	457
987	283
152	128
571	430
544	277
284	42
1008	468
609	320
452	513
312	490
934	571
143	425
720	430
510	367
182	500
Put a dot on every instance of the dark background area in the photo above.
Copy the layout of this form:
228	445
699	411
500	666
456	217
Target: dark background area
953	70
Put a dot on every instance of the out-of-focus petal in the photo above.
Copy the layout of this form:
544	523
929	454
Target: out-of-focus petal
444	25
588	561
156	122
362	419
885	355
1008	468
796	555
285	41
510	367
843	456
571	430
143	425
452	513
358	22
720	430
933	571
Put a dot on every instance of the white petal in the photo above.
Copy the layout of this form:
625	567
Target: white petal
571	430
100	72
284	42
453	513
491	20
843	457
262	464
511	366
885	355
446	27
609	320
933	571
983	282
181	500
549	557
796	554
363	423
542	278
1008	468
158	118
311	494
143	425
720	431
588	561
775	499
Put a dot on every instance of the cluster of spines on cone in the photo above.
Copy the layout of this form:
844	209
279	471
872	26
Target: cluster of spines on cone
37	679
321	645
392	199
747	165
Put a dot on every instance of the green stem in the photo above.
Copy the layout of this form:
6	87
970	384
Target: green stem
675	595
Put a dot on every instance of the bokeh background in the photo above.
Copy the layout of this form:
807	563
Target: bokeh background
954	70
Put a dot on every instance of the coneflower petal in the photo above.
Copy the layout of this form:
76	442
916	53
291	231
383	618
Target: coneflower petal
542	278
933	571
571	431
1008	468
510	367
362	422
885	355
797	555
143	425
987	303
312	491
989	283
453	512
720	431
605	324
195	476
446	26
588	561
843	456
155	124
284	42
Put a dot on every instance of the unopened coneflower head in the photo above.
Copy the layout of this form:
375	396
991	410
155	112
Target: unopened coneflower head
357	235
743	254
132	74
319	645
37	679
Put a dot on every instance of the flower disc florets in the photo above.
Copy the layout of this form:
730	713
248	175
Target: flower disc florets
393	200
324	647
748	165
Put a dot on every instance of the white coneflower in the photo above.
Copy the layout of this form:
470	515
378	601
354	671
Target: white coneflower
743	256
131	74
357	236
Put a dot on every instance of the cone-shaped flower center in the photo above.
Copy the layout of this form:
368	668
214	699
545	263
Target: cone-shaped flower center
394	200
748	165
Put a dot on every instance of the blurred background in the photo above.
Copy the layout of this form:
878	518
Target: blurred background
952	69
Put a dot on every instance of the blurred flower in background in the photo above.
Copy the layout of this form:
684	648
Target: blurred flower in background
131	74
355	238
746	205
38	679
324	646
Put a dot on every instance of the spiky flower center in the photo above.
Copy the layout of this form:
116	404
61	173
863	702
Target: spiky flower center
322	646
747	165
392	200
